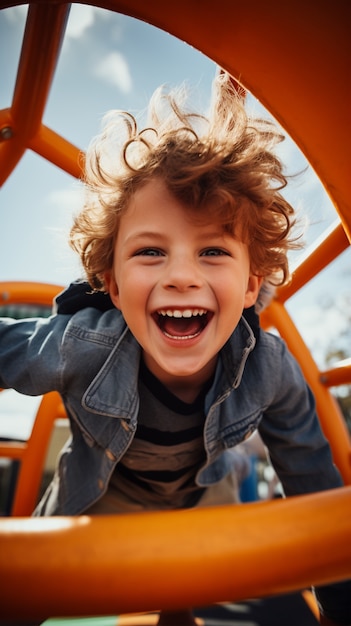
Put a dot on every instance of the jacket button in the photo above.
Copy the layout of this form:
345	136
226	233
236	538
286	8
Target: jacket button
110	455
125	425
100	484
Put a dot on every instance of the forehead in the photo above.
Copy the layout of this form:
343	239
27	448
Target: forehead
155	202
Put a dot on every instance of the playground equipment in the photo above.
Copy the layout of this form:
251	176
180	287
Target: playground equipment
294	58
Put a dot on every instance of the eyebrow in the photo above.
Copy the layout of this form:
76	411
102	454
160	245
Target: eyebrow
151	234
147	234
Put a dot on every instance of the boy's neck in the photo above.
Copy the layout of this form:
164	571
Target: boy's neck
187	388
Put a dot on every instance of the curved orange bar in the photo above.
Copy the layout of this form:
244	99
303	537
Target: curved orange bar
120	564
12	147
33	457
45	25
12	449
339	375
91	563
294	57
58	151
304	46
321	255
18	292
332	421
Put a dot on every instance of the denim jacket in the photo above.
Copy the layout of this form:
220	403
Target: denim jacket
92	359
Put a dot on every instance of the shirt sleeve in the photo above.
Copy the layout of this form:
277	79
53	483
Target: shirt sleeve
290	429
30	354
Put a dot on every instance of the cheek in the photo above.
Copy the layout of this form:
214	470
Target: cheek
133	292
230	290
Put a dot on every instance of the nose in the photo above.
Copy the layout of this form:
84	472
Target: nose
182	273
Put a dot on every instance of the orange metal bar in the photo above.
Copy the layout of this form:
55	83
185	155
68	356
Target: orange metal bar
338	375
42	40
46	142
33	459
58	151
237	43
6	122
11	153
332	421
11	449
11	146
28	293
108	565
289	76
323	253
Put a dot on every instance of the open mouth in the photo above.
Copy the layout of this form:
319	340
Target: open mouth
182	324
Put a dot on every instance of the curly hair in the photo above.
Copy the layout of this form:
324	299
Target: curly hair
222	166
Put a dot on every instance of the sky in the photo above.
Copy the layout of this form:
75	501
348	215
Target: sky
111	61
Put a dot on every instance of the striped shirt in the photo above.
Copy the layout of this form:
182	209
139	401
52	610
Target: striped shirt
159	468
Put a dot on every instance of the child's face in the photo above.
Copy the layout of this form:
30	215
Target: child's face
180	285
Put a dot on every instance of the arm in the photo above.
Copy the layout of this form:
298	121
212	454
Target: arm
291	431
303	461
30	357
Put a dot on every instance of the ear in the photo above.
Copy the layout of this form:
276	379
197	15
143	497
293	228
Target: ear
253	287
112	288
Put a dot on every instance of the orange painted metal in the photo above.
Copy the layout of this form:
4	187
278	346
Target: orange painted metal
42	40
338	375
108	565
331	419
58	151
288	62
32	454
294	57
17	292
332	244
12	450
12	147
33	457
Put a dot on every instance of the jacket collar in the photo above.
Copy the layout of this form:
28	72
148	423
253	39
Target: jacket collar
113	392
236	351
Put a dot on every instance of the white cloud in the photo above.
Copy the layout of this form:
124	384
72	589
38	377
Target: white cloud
113	68
81	17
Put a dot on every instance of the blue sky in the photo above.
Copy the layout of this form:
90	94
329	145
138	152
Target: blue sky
113	61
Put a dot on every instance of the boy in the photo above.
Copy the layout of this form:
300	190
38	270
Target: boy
182	225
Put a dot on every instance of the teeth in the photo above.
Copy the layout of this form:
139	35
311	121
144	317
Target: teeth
178	313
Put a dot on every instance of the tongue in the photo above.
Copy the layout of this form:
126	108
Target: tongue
181	327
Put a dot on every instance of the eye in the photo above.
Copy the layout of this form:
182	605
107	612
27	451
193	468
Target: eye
214	252
152	252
